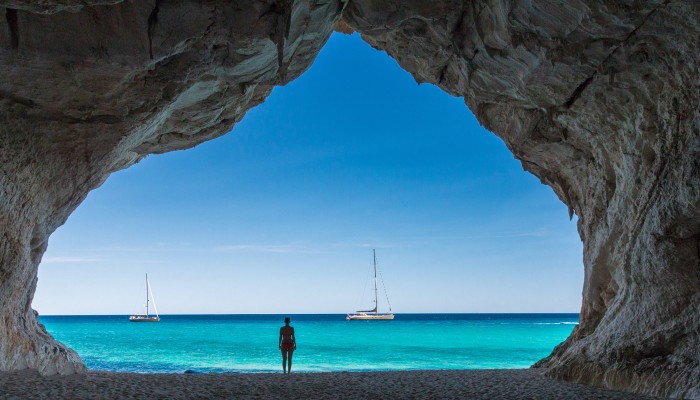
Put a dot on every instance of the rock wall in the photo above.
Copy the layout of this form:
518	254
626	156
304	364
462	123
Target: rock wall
598	99
89	92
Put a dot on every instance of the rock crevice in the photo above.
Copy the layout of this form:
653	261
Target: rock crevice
11	18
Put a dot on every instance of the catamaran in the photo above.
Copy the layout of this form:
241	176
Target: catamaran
371	315
146	317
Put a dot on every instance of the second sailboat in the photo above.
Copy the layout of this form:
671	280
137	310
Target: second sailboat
371	315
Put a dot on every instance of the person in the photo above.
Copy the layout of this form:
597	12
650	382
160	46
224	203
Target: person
287	343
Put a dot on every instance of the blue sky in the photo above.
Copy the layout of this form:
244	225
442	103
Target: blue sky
281	215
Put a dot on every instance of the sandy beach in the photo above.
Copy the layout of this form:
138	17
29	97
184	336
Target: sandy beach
462	384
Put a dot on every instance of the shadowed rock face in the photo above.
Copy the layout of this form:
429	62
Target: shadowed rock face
598	99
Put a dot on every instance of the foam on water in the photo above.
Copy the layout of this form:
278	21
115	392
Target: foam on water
248	343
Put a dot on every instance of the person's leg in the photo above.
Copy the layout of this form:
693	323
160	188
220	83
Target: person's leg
284	361
289	367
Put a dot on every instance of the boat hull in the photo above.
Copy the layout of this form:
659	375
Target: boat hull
137	318
369	317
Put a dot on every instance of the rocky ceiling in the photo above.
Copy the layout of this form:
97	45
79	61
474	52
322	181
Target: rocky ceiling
599	99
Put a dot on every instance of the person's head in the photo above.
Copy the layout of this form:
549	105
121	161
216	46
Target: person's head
287	320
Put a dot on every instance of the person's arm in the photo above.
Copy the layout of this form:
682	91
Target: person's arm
294	339
279	342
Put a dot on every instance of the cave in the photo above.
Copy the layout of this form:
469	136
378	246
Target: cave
599	100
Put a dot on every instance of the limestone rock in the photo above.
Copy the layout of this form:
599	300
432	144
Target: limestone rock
53	6
599	99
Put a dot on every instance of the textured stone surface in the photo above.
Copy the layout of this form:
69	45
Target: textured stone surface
53	6
599	99
83	94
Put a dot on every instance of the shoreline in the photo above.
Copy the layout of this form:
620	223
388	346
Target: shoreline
433	384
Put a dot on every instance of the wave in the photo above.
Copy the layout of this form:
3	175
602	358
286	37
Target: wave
555	323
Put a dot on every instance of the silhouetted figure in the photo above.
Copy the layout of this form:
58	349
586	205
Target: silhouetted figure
288	343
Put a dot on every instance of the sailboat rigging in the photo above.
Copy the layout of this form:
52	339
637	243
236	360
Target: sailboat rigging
374	314
146	317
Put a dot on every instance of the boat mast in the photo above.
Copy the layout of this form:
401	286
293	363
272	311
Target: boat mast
146	295
376	304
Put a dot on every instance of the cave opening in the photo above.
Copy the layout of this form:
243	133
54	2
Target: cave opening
599	102
352	155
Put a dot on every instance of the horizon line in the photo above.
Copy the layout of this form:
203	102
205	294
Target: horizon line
343	313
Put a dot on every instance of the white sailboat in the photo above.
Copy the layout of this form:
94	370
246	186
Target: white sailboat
147	317
372	315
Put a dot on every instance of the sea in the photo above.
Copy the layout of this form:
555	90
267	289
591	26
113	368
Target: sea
325	343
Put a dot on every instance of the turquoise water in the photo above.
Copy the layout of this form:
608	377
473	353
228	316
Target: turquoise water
248	343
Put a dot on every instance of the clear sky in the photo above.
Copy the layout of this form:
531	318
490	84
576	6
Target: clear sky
281	215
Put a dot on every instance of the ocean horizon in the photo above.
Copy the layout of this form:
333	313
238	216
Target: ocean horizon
246	343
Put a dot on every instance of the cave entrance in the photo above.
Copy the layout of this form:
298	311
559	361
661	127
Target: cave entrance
353	155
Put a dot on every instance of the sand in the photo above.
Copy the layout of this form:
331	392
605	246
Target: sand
463	384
